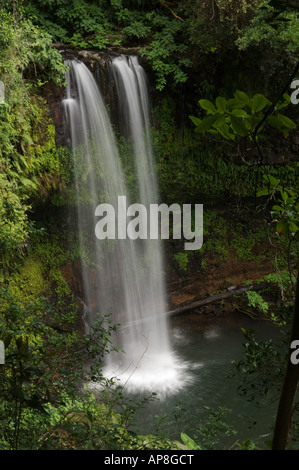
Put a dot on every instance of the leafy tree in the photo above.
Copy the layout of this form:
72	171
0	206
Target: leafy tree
215	25
246	117
47	399
167	53
243	118
286	219
286	407
276	25
29	161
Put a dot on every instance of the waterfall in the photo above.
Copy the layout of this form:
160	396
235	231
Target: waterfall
127	276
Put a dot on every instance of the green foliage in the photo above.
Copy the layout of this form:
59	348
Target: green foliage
6	29
28	50
285	218
42	403
241	116
90	24
272	25
173	37
38	384
243	246
13	224
261	369
265	30
137	29
285	212
25	377
28	281
54	256
214	26
30	164
248	445
213	426
226	238
256	301
166	55
280	279
186	166
189	442
20	329
182	260
217	247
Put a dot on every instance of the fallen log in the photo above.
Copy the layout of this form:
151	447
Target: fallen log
215	298
200	303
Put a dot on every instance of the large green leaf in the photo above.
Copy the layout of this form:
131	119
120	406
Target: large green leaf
206	123
223	128
274	182
207	106
221	104
259	102
263	192
233	103
195	120
241	113
241	99
275	122
287	122
238	126
284	102
282	123
189	442
293	227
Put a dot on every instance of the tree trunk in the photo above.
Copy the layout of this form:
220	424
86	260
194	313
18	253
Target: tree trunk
287	399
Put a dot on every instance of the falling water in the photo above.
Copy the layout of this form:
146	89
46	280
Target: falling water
127	276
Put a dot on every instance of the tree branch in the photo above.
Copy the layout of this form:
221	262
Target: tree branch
272	107
168	6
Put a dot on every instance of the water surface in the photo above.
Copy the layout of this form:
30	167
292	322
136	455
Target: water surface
209	346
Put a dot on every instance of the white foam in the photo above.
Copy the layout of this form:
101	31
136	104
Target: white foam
163	375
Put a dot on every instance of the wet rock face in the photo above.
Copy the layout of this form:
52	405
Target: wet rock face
54	96
98	63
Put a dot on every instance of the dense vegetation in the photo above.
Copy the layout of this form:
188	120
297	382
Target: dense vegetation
224	130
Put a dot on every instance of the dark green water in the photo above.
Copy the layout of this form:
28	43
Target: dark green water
209	345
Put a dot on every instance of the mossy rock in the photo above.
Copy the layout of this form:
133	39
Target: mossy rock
28	283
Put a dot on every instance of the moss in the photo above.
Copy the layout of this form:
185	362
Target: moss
28	283
245	242
215	235
54	254
40	276
52	164
217	247
182	260
60	286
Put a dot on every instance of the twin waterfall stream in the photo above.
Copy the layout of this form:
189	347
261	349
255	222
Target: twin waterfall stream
127	276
